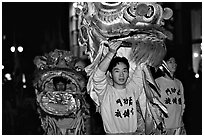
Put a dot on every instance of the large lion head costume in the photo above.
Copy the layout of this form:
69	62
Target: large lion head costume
60	94
138	24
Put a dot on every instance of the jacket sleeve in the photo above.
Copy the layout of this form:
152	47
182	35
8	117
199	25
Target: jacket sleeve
182	97
99	82
135	82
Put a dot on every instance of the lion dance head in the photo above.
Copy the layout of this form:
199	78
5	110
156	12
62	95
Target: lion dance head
60	91
138	24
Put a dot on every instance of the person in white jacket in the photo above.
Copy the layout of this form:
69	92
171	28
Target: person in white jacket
172	95
117	98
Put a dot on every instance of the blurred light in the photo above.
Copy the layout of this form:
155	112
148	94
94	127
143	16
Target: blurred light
20	49
4	37
201	46
160	67
23	78
12	49
195	54
24	86
196	75
2	66
8	76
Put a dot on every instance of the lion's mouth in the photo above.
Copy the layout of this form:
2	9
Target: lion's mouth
59	103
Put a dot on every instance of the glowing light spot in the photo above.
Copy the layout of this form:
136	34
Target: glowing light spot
24	86
160	67
12	49
2	67
4	37
23	78
196	75
195	54
8	76
20	49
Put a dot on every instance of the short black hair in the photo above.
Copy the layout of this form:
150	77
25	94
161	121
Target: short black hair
169	55
116	60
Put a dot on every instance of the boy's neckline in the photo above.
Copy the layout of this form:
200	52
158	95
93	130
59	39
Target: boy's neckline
119	89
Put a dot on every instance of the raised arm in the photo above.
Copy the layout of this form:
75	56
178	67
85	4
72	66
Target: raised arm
99	77
113	47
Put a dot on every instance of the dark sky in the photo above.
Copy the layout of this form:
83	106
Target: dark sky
26	23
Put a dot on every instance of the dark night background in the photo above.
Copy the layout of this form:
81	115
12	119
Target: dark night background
42	27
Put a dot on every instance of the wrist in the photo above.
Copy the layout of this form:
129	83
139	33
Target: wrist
111	51
110	55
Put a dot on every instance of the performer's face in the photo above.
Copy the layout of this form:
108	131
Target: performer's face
172	64
60	86
120	74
